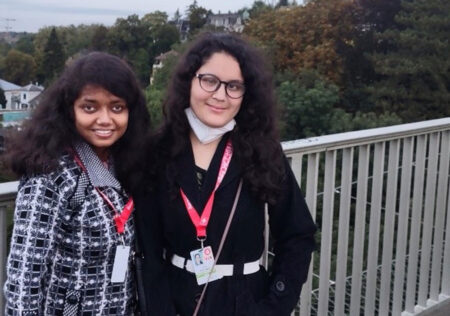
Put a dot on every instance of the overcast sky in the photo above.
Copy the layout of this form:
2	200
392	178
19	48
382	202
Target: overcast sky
31	15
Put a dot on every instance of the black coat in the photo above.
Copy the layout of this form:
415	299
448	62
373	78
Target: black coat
163	223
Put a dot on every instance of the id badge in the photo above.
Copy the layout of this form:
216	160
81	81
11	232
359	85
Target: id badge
202	262
120	264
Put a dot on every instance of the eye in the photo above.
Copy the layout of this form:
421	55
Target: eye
209	81
88	108
235	86
118	108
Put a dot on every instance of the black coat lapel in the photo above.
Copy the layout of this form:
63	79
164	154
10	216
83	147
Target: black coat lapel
187	179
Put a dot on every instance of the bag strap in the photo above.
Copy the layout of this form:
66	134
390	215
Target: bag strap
222	241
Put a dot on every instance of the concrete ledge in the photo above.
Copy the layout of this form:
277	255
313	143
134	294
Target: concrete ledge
440	309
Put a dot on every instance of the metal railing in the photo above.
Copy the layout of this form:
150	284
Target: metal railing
380	199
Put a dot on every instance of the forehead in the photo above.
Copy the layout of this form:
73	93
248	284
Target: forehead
95	91
223	65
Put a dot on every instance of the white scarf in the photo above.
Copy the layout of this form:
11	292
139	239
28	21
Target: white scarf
205	133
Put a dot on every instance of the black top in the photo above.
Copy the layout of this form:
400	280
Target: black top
163	223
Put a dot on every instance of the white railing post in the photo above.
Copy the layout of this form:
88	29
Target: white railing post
374	228
326	231
416	215
427	226
3	251
344	224
360	223
440	217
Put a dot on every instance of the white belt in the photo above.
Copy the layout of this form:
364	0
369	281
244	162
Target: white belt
223	269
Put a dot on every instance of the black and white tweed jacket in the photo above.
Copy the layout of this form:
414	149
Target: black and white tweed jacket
64	242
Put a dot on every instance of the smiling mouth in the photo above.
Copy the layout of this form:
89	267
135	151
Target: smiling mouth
217	108
103	132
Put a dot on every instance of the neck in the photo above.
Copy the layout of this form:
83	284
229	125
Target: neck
103	154
203	153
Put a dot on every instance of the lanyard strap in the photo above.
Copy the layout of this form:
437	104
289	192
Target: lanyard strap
120	219
201	222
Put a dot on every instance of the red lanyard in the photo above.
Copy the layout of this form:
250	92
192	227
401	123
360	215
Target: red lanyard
201	222
120	219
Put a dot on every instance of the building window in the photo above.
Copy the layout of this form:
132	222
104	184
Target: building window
24	96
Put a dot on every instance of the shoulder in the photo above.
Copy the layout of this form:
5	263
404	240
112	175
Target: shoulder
62	180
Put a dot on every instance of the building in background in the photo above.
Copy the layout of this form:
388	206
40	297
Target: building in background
20	98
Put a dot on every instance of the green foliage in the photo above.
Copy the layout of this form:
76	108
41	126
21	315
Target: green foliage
156	92
53	58
99	40
197	17
18	67
415	74
309	108
154	99
25	44
258	8
2	98
307	103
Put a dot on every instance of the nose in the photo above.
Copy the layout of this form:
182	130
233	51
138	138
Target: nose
221	92
104	117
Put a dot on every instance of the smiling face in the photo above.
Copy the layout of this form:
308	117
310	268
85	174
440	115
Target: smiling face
216	109
101	118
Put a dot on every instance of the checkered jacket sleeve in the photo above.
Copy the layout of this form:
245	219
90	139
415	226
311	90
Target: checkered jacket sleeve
33	241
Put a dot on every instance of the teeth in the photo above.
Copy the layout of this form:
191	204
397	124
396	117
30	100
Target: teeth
103	132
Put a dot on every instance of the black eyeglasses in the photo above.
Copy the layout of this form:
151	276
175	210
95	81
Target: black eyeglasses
210	83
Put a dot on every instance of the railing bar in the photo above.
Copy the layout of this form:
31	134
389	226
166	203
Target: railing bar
326	231
374	228
311	199
402	228
358	240
446	263
417	205
389	223
440	216
296	165
344	224
364	137
427	226
3	252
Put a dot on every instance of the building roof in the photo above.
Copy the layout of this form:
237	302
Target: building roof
6	85
32	87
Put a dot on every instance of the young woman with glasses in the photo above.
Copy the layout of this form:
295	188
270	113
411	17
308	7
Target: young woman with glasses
219	160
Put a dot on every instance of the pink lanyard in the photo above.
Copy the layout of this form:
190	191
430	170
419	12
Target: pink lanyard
201	222
120	219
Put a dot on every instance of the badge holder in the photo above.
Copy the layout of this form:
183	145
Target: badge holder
222	241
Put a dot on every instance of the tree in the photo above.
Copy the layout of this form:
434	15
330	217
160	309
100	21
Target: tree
305	37
25	44
99	39
2	98
176	16
18	67
258	8
53	58
414	73
307	103
197	17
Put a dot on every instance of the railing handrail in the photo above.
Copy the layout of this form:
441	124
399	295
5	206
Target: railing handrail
8	191
367	136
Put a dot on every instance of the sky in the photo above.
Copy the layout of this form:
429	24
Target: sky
31	15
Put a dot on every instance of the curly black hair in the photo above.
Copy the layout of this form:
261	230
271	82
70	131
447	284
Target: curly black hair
255	137
37	146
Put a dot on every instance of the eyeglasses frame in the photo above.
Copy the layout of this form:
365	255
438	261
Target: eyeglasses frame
226	83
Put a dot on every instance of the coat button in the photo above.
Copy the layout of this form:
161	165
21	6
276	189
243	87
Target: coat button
72	299
280	286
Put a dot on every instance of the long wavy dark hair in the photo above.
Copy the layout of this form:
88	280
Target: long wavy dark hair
50	131
255	137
